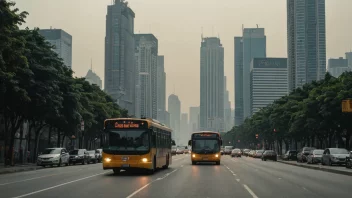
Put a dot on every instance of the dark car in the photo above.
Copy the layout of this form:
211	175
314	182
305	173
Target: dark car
92	157
349	160
290	155
78	156
303	153
269	155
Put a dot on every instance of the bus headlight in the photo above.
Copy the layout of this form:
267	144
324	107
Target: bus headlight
193	155
144	159
216	155
107	159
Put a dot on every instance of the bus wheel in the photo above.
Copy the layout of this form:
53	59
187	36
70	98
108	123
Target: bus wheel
116	171
167	162
218	163
194	163
151	171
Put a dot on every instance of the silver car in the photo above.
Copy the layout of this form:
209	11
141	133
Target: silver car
53	156
334	156
315	156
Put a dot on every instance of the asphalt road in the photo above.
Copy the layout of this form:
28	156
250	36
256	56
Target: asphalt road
235	177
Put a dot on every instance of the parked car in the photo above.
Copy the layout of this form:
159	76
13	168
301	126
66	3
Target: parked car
333	156
78	156
303	153
349	161
53	156
269	155
246	152
236	153
290	155
315	156
99	154
92	157
173	150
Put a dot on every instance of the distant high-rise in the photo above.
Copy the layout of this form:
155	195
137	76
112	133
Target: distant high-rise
306	41
120	72
211	85
194	118
349	58
227	108
161	90
184	133
62	42
254	46
269	81
146	55
93	78
238	81
174	109
336	66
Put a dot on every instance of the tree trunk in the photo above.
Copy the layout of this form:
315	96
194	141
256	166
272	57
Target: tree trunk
21	149
63	140
49	136
58	138
29	140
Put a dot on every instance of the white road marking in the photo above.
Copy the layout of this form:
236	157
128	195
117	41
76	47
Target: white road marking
3	184
140	189
250	191
181	165
238	180
45	189
137	191
234	174
279	178
231	171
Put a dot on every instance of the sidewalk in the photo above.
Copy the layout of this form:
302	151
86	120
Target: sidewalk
18	168
332	169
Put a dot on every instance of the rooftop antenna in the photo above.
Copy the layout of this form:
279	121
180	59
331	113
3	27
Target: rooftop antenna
202	33
91	64
257	26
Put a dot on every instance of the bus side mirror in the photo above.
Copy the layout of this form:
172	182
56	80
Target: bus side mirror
189	142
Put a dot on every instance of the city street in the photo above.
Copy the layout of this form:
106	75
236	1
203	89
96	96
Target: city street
235	177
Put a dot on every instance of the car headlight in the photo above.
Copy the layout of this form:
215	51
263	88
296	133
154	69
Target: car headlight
107	159
144	159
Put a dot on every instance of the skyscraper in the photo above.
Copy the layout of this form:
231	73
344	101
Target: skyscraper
254	46
184	132
306	41
227	108
174	109
238	81
336	66
146	55
194	119
161	90
349	58
120	72
268	81
211	84
93	78
62	42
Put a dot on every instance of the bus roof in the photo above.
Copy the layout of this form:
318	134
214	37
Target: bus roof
150	121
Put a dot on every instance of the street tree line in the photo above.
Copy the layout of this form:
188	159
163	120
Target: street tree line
38	89
308	116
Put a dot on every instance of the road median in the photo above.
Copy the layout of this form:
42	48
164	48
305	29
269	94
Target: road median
337	170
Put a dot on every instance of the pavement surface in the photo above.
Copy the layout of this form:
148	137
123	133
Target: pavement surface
18	168
235	177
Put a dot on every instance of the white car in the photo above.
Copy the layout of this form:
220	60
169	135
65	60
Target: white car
53	156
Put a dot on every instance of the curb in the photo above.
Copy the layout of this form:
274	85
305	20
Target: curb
319	168
19	170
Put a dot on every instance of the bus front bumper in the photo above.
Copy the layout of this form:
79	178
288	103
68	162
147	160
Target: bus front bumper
127	165
206	157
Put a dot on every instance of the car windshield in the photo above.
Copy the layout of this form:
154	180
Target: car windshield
228	147
236	150
260	151
52	151
206	145
74	152
338	151
129	140
91	152
318	152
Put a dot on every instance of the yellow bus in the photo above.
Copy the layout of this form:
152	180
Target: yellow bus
205	147
132	144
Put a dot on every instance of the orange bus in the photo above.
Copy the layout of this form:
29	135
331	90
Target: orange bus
132	144
205	147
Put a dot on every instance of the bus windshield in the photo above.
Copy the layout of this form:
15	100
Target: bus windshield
206	146
128	140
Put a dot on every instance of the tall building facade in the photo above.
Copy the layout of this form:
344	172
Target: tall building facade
227	108
254	46
184	133
194	119
62	41
349	58
120	72
146	55
269	81
336	66
211	84
161	89
238	81
93	78
306	41
174	109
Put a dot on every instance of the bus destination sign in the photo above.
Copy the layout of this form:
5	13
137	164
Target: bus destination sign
205	135
126	124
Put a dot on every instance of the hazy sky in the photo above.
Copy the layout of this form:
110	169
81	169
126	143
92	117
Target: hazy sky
177	25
